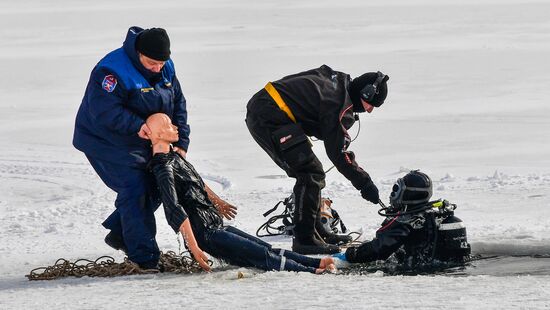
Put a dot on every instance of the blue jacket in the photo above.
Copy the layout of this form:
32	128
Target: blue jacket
120	95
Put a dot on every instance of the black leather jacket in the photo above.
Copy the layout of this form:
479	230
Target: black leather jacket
182	192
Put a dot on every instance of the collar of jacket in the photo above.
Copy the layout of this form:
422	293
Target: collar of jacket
129	47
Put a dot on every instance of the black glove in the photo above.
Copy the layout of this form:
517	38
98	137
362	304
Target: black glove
370	193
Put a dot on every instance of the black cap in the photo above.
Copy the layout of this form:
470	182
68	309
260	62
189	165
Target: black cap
360	84
154	43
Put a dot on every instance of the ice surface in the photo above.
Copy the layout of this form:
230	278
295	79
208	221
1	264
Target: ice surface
468	104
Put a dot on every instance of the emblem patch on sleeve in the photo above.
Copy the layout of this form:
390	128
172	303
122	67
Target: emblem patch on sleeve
109	83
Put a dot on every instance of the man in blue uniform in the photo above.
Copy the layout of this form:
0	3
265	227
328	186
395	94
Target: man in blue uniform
125	87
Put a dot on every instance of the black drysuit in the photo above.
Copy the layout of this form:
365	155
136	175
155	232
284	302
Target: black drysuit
321	105
416	239
184	196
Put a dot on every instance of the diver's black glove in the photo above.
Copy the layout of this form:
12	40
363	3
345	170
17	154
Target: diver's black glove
370	192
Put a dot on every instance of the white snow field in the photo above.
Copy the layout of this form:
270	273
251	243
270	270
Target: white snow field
468	104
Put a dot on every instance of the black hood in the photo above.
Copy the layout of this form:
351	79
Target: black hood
129	47
356	86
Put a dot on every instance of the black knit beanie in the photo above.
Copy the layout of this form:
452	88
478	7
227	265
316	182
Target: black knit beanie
154	43
357	84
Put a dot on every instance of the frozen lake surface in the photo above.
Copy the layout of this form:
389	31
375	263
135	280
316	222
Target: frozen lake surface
468	104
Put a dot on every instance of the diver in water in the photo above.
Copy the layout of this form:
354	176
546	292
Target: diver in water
417	231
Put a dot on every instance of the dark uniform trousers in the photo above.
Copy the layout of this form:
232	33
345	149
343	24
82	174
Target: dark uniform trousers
268	124
136	203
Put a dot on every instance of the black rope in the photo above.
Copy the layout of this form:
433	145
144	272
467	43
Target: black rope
282	224
285	218
105	266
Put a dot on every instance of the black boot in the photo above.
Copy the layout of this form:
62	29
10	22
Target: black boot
307	241
312	245
337	239
326	233
116	242
151	267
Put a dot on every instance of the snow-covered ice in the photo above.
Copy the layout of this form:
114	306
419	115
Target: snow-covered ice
468	104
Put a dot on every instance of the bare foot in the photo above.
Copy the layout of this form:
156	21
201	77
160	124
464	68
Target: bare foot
331	268
326	261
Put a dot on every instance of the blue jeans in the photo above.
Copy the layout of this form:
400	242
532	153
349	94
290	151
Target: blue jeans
241	249
136	201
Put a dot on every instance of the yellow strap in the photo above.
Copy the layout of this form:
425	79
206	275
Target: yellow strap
280	102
